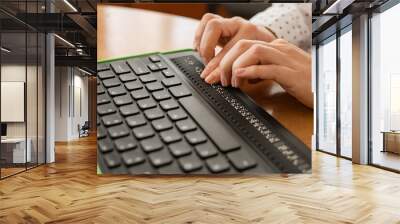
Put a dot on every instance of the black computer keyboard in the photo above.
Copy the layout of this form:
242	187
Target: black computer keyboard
157	116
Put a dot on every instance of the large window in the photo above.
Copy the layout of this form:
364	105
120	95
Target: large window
385	89
327	96
345	92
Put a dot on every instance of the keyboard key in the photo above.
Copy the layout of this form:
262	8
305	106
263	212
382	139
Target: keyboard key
133	157
112	160
120	67
137	66
136	120
161	65
160	158
102	99
139	94
105	145
116	91
101	132
127	77
124	144
105	109
100	90
241	160
154	86
103	67
118	131
148	78
168	74
190	163
105	75
151	144
217	164
113	119
161	95
179	91
154	113
206	150
122	100
154	58
169	104
223	138
186	125
170	136
146	103
143	132
195	137
108	83
161	124
153	67
134	85
171	82
180	148
177	114
129	110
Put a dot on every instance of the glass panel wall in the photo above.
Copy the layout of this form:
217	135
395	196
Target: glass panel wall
14	154
327	95
22	92
346	92
385	89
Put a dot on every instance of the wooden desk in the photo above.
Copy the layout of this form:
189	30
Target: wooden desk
128	31
391	141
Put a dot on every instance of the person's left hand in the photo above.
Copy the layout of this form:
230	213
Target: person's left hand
278	60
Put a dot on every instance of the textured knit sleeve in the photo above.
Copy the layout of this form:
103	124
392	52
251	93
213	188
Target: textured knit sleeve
291	22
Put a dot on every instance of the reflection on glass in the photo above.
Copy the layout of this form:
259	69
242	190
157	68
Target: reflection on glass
31	97
15	150
327	96
385	84
345	94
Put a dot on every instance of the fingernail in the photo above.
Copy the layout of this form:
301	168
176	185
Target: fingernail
234	82
223	81
208	79
202	75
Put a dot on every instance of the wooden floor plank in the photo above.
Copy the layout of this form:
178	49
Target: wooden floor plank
69	191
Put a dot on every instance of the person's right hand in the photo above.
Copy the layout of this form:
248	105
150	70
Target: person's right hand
215	30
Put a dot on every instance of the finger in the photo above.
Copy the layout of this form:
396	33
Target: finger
213	77
215	62
211	66
212	33
200	29
238	49
260	54
271	71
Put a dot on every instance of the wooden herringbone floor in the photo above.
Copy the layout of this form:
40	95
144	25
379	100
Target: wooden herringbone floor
69	191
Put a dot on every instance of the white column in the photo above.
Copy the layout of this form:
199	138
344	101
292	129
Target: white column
50	98
360	90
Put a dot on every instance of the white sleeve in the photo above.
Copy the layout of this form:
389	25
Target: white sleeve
291	22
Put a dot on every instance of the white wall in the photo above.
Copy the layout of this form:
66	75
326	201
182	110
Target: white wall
69	82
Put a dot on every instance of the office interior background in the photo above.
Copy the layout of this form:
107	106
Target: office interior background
337	191
357	82
48	79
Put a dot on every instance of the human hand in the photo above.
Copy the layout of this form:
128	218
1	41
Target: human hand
278	60
215	30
